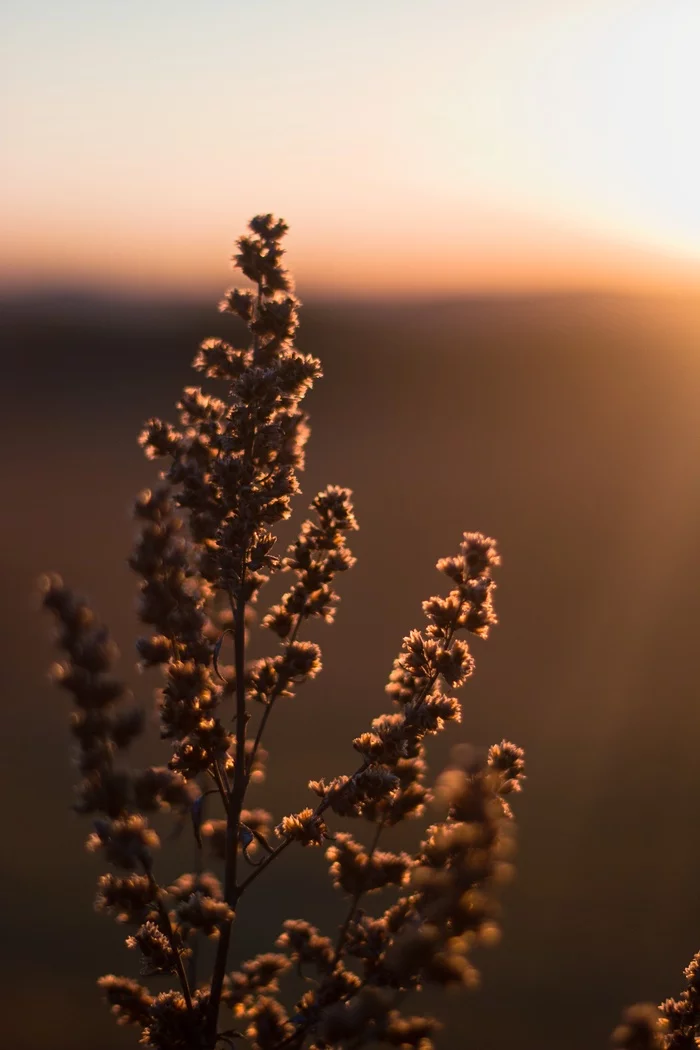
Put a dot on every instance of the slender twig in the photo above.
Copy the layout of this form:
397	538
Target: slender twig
295	632
171	935
355	901
216	651
268	707
235	805
258	735
326	802
332	795
221	781
320	808
308	1022
198	868
296	1038
240	778
261	867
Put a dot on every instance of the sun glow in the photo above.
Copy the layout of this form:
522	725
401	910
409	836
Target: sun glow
605	124
455	146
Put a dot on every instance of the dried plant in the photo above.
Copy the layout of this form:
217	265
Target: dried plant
204	551
673	1025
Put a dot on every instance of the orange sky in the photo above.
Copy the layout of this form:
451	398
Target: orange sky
443	147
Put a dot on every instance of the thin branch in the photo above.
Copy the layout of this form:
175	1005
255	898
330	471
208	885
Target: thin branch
240	778
268	706
235	805
198	868
216	651
308	1022
172	937
261	867
221	781
320	808
340	944
295	632
258	735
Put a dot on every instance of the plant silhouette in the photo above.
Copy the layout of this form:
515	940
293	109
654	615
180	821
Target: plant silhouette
205	550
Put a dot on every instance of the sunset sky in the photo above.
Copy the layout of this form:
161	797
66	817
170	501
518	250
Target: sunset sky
411	144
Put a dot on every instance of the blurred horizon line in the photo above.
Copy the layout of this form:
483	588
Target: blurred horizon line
89	295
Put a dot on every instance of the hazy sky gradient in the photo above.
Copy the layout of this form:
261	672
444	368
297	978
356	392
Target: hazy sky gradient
410	144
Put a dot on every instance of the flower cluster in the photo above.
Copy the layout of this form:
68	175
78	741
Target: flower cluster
204	550
674	1025
100	724
448	892
317	555
104	724
389	786
357	871
258	976
680	1018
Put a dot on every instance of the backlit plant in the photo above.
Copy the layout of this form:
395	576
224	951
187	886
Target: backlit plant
205	549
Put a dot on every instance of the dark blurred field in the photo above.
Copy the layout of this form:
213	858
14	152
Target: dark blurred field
567	428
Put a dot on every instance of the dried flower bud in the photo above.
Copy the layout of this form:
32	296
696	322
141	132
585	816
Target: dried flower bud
201	912
355	871
508	760
204	883
305	944
455	664
160	788
127	842
269	1024
158	955
129	898
304	827
130	1001
262	973
479	553
170	1023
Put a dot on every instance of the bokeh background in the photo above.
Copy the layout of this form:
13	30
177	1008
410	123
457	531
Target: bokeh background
496	233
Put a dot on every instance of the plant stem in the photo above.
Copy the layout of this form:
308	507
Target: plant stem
268	706
258	735
220	780
261	867
355	901
235	805
320	808
172	939
236	795
198	869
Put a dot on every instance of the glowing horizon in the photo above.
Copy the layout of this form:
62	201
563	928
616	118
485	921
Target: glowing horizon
451	149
